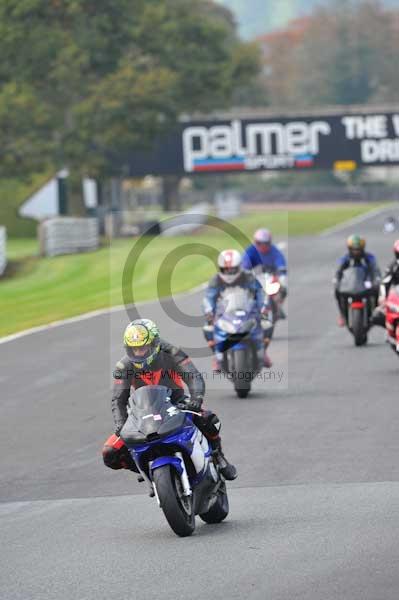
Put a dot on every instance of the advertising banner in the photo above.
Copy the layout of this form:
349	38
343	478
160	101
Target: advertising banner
344	142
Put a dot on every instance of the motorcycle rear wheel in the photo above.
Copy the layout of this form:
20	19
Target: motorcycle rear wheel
178	509
358	329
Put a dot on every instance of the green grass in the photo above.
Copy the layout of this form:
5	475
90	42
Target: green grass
18	248
41	290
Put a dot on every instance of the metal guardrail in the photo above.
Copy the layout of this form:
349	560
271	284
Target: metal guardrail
186	222
324	194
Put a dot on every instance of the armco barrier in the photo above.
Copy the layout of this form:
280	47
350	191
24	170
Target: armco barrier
186	222
67	235
3	250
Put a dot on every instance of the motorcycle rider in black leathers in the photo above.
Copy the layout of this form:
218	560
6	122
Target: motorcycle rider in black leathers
390	277
356	255
152	361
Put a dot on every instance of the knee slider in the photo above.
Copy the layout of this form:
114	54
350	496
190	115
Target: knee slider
208	332
111	458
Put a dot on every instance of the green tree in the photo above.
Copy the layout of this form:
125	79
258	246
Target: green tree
85	82
342	54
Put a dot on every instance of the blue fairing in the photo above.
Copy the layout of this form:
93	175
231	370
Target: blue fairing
182	439
220	337
168	460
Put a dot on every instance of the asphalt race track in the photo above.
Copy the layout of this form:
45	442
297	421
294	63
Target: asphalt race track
314	512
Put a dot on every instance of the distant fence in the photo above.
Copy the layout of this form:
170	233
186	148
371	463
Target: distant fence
324	194
186	222
3	251
227	205
290	193
67	235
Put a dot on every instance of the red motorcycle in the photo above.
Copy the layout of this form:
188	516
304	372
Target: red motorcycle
273	286
392	318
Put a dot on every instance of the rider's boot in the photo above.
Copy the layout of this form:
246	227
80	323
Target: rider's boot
378	317
216	364
228	470
267	362
281	313
217	361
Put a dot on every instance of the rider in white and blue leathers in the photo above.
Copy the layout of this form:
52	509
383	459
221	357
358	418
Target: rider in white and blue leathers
231	274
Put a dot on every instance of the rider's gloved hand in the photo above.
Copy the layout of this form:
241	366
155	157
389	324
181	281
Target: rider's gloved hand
209	318
194	403
265	312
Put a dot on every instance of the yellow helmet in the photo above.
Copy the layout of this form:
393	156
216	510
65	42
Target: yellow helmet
142	342
356	245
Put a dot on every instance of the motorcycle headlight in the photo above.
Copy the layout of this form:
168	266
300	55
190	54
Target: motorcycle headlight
272	288
226	325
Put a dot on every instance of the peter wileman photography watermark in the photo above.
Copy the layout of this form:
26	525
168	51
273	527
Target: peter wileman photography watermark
129	376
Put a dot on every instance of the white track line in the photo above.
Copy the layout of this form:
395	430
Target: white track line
90	315
359	219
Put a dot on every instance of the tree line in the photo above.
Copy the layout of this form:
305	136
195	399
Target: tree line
344	53
85	82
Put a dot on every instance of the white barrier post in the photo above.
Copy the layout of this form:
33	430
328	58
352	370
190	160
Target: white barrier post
3	249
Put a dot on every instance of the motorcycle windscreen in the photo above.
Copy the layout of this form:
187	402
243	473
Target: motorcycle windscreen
153	413
352	281
235	299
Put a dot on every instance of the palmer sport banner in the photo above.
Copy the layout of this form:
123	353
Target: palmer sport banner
345	142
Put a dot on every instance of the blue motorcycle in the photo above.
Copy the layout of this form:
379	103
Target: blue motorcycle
238	338
175	459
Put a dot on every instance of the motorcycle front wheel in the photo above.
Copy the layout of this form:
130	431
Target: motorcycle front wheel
242	385
177	508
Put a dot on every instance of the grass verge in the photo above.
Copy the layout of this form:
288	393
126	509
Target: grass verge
41	290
